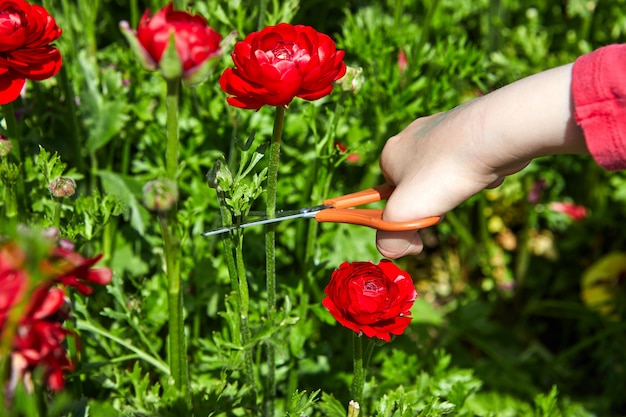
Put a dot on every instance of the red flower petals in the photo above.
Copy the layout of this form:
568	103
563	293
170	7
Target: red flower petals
38	335
26	32
371	299
279	63
195	41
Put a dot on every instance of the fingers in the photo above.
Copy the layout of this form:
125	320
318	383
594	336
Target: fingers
397	244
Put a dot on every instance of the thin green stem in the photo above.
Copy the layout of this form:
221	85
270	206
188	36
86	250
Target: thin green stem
228	242
171	151
15	138
359	374
261	17
270	255
158	364
171	239
56	217
134	13
244	298
175	306
74	125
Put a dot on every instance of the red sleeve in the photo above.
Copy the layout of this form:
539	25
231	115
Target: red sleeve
599	93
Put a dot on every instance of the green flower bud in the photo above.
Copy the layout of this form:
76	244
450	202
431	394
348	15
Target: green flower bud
160	195
220	177
5	146
352	81
62	187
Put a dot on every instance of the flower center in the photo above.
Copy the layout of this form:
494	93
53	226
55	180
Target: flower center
284	50
370	286
11	19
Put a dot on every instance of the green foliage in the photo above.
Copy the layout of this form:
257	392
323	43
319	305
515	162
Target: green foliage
500	323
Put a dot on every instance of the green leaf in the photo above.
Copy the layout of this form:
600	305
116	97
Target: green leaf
331	407
127	189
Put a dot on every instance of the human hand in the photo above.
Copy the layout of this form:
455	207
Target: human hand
439	161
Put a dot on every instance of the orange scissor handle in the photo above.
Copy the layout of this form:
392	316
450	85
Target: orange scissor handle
373	219
380	192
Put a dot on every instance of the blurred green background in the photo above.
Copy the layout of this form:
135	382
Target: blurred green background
515	298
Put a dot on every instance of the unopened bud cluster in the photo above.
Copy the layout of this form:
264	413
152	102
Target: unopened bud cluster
160	195
352	81
62	187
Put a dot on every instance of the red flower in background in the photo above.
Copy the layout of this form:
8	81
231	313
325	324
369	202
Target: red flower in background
279	63
38	334
573	211
371	299
403	62
26	32
196	42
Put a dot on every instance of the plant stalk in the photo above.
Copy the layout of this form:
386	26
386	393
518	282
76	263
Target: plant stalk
244	305
14	136
171	239
270	255
359	373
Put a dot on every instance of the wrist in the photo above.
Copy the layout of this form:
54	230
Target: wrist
532	117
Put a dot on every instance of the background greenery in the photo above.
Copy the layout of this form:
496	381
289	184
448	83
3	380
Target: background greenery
500	328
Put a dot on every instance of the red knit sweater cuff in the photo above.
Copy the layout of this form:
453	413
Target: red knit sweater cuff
599	93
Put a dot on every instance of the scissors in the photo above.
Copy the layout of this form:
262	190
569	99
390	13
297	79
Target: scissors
341	210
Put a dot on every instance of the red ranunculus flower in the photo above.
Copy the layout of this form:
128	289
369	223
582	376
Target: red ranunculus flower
38	336
573	211
26	32
196	42
371	299
279	63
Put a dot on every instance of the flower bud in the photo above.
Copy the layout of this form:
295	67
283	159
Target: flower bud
160	195
352	81
175	42
62	187
403	62
5	146
220	177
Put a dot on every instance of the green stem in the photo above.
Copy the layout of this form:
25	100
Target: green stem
74	125
359	374
261	17
15	138
87	326
228	242
175	306
270	255
244	298
56	217
171	151
171	239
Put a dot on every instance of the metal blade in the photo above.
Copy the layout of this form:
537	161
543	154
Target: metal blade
308	212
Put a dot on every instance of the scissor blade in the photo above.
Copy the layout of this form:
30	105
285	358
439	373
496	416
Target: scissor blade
283	215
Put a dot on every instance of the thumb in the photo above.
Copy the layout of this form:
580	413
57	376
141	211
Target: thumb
397	244
401	206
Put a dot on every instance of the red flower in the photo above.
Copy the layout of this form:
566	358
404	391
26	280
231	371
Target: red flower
38	335
76	271
26	32
196	42
573	211
371	299
403	62
352	157
279	63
